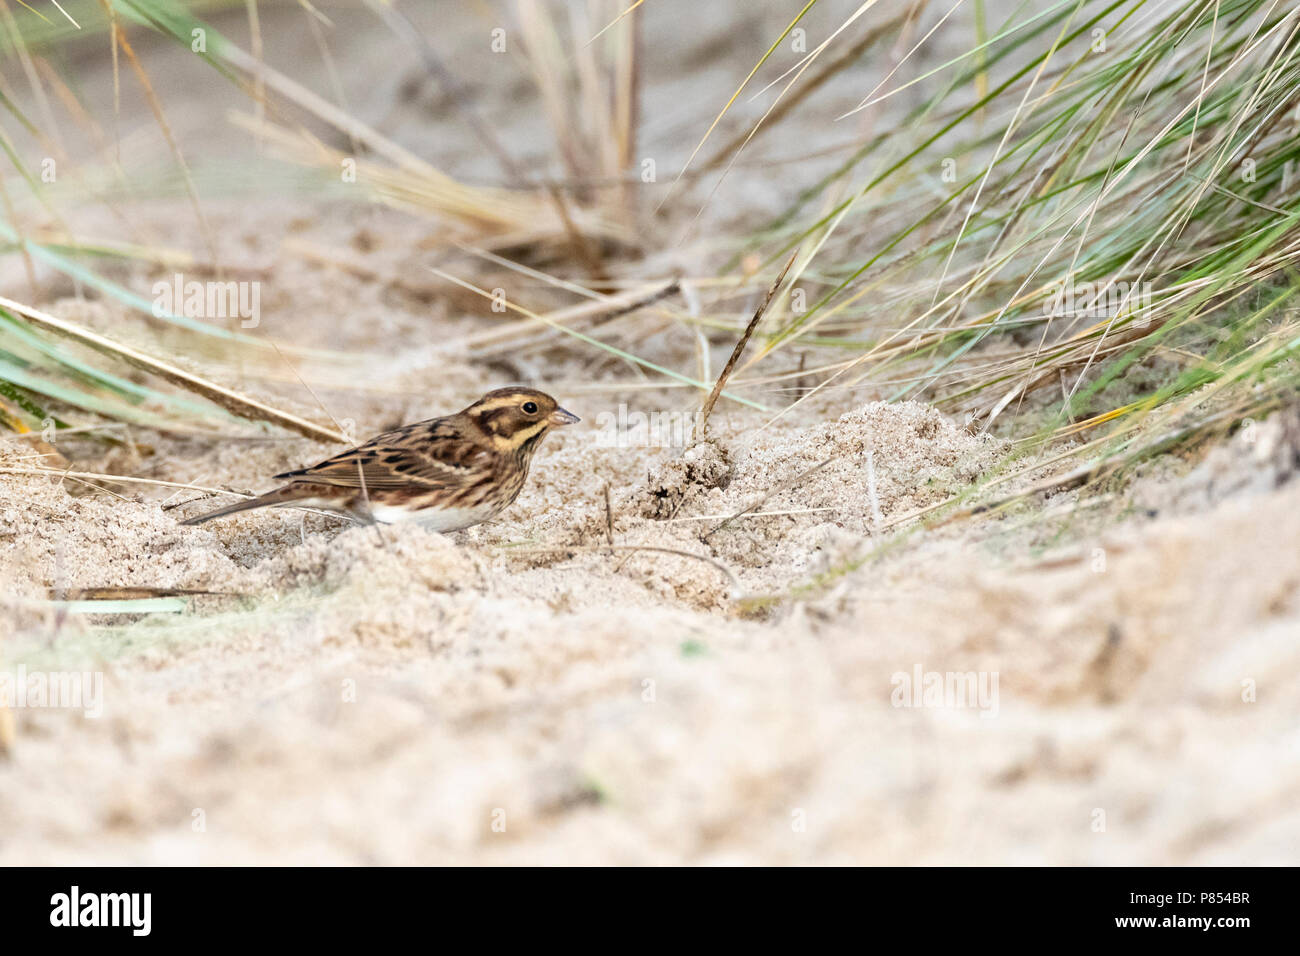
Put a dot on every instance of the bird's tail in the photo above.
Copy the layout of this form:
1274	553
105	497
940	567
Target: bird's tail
279	496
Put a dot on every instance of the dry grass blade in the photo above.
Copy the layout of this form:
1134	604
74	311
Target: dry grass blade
734	96
603	310
589	340
788	105
255	46
156	106
88	476
419	188
133	593
614	22
322	109
712	400
219	395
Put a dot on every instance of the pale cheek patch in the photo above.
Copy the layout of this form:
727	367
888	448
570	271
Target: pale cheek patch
502	443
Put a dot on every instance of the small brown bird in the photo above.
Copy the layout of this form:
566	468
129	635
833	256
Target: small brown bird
447	473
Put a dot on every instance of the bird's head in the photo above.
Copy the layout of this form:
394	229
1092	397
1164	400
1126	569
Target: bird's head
517	417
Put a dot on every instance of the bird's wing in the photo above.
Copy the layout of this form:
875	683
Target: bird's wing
433	458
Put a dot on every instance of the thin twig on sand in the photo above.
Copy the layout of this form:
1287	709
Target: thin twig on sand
709	402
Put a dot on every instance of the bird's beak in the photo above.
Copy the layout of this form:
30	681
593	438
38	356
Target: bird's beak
562	417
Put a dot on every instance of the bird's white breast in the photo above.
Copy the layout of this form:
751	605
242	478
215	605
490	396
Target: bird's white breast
435	519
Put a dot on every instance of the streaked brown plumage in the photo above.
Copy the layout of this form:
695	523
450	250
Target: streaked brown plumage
448	473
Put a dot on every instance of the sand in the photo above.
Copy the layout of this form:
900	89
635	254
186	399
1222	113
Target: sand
534	690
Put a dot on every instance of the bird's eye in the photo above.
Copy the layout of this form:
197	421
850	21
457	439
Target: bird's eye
530	408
